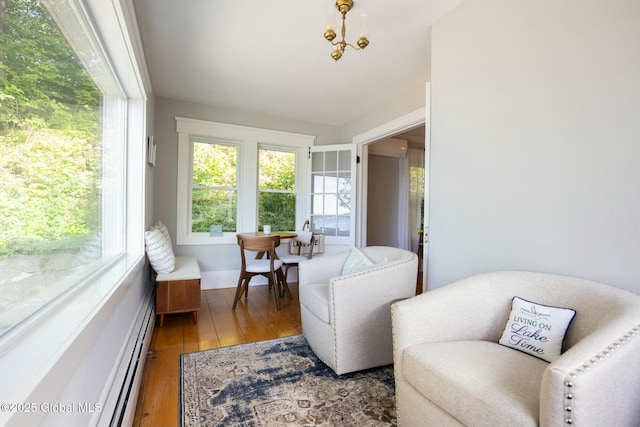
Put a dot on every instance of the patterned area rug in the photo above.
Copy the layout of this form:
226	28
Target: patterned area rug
280	383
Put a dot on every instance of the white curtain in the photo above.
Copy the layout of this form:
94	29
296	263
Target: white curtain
410	199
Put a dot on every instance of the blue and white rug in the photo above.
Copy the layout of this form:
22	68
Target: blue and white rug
280	383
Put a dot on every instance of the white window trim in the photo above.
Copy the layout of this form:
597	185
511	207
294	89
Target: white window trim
249	139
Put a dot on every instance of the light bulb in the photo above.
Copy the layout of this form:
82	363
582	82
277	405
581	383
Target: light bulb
364	24
330	22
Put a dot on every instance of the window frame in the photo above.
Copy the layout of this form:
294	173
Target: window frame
64	331
249	140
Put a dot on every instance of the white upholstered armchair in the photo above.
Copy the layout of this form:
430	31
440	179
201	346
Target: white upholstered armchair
451	371
346	318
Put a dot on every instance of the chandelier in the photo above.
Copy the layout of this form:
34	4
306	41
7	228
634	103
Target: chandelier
343	7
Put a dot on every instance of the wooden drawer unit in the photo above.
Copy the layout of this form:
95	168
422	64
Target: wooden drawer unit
179	291
178	296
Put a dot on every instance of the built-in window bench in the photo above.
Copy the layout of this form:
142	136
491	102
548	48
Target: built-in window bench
179	291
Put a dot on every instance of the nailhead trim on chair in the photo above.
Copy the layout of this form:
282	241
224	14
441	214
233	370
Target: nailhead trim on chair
332	322
569	382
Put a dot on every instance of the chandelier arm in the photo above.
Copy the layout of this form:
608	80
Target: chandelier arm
353	47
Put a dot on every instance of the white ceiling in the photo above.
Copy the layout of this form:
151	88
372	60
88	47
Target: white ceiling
271	57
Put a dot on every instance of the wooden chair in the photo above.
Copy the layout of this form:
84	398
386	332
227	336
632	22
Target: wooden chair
271	267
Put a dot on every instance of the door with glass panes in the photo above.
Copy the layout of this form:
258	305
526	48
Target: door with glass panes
332	193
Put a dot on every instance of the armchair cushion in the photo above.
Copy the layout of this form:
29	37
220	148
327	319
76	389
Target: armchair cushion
487	383
536	329
316	299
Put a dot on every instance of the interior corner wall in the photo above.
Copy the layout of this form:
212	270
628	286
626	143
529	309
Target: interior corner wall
535	149
410	98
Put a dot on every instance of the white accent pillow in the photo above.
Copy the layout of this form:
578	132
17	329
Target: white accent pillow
163	229
159	251
536	329
356	261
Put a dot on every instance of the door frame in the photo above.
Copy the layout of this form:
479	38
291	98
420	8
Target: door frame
401	124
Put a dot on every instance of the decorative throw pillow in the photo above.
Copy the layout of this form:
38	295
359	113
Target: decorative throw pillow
159	251
536	329
163	229
356	261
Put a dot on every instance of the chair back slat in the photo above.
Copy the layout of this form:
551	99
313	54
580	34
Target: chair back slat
266	244
259	243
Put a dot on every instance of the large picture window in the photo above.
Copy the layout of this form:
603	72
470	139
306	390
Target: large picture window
62	147
218	198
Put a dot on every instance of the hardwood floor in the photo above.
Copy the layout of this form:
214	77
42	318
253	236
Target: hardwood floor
254	319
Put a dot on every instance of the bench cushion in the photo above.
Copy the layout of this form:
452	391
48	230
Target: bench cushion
186	268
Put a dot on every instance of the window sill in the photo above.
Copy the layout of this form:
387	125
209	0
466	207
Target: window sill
36	355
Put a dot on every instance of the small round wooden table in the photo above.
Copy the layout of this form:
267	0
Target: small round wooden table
282	234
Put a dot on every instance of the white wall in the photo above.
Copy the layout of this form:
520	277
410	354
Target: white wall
382	201
535	159
405	101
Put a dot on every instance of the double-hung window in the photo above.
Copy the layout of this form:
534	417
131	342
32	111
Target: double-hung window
277	198
214	192
236	179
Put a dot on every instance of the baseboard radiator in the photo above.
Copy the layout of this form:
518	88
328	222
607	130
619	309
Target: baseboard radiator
120	405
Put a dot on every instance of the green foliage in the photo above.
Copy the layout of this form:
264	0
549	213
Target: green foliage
50	150
212	207
215	165
44	84
277	170
49	190
277	210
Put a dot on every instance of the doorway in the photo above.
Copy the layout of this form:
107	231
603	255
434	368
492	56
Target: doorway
406	126
395	190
